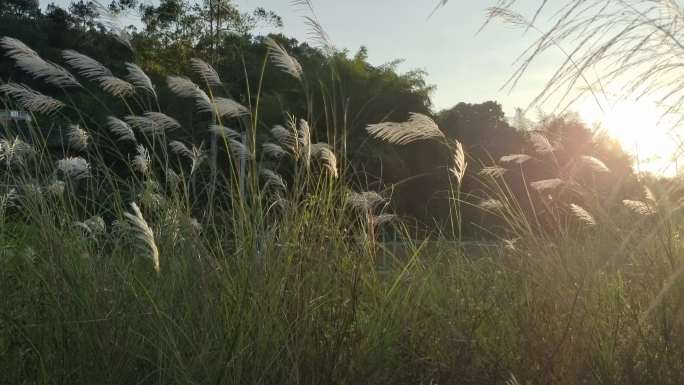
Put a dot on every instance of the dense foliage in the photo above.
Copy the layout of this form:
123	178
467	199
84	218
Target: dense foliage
196	205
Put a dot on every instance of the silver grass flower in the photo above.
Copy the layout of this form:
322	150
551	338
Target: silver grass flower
273	150
239	149
141	123
460	165
49	72
78	137
493	171
75	168
57	187
507	16
515	158
141	160
139	78
195	225
116	87
121	129
286	138
145	234
180	148
541	143
509	244
28	60
595	164
182	86
546	184
224	132
365	201
327	157
86	66
223	107
15	47
152	123
304	141
583	215
639	207
273	180
283	59
206	72
382	219
30	99
316	32
197	154
93	226
418	127
163	121
491	204
14	152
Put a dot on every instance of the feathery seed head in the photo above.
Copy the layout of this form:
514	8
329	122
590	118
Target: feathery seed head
595	164
286	138
224	132
327	157
583	215
541	143
365	201
546	184
121	129
222	107
31	100
515	158
273	150
206	72
78	137
139	78
639	207
15	152
273	180
283	59
460	165
145	234
493	171
116	87
86	66
491	204
418	127
57	187
15	47
75	168
141	161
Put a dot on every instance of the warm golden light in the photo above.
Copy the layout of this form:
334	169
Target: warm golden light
642	131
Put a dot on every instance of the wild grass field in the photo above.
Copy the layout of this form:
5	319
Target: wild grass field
258	254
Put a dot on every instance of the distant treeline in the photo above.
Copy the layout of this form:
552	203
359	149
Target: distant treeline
350	92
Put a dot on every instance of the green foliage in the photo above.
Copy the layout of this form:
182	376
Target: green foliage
186	252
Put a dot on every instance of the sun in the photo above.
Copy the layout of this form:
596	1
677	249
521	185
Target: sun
641	129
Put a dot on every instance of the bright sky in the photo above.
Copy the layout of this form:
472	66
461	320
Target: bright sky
465	66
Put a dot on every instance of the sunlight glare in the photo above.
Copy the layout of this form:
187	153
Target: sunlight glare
639	127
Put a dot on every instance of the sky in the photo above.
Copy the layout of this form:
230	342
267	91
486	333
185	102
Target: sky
466	66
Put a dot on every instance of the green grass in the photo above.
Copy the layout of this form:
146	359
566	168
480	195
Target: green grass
264	285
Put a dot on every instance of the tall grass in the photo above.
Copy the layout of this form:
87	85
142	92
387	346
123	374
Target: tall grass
194	266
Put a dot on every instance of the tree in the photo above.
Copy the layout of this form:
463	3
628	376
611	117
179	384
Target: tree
85	12
19	8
